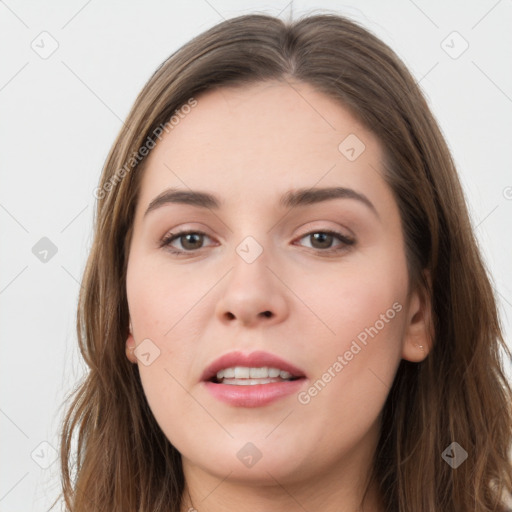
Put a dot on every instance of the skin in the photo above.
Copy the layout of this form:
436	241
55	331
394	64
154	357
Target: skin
248	146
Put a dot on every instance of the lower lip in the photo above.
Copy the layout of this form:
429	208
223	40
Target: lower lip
256	395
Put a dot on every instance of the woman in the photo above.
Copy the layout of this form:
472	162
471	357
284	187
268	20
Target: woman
285	307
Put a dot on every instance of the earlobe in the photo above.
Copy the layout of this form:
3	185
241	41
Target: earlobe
419	336
130	346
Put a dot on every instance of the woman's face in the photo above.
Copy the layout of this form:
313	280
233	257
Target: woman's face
276	264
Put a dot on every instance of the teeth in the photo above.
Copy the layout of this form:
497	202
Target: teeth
249	382
273	372
242	372
258	373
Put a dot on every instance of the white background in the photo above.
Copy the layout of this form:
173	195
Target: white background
60	115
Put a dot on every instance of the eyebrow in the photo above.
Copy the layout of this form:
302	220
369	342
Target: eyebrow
291	199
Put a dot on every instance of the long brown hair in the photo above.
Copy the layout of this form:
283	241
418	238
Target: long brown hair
114	456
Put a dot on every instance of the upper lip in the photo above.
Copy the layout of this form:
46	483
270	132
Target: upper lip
253	360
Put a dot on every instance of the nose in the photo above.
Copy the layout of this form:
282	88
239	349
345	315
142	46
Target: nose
253	295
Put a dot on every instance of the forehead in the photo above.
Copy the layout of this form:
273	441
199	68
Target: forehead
252	141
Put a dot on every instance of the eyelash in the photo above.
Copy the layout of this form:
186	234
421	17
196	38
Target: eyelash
168	239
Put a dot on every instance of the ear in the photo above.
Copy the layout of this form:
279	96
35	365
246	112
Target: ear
419	335
130	346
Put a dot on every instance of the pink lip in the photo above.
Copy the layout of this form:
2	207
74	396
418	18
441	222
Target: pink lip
256	395
252	360
253	396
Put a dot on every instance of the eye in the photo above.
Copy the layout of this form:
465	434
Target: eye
323	240
189	240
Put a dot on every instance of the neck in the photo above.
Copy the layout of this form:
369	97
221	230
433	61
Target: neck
219	496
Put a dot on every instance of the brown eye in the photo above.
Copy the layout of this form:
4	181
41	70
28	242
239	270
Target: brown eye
188	240
191	241
323	240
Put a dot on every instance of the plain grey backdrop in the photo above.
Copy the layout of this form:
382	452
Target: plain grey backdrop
69	74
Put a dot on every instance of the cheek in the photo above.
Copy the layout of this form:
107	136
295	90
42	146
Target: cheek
177	412
163	305
161	296
362	308
354	296
354	368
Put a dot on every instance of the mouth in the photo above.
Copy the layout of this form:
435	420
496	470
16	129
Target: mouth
239	369
252	380
252	376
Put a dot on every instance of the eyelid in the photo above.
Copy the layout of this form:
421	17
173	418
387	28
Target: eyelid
320	225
